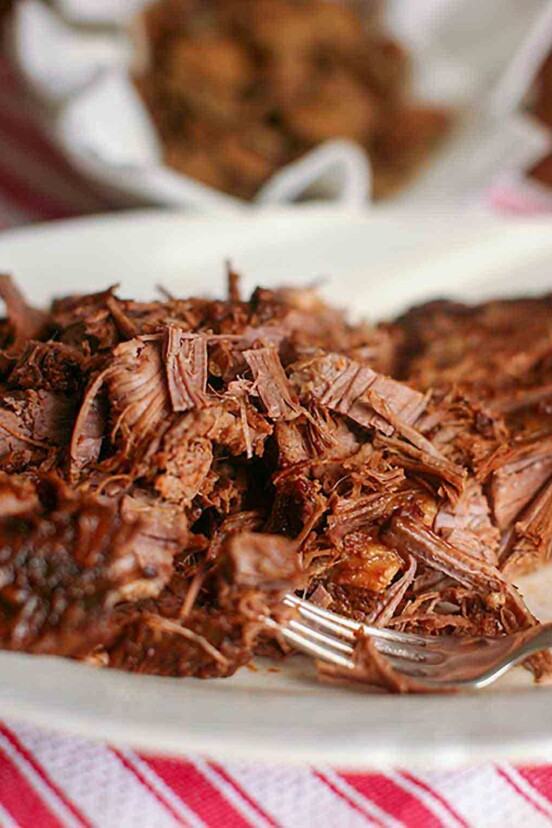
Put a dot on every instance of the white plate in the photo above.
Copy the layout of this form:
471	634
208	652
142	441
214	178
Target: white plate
379	263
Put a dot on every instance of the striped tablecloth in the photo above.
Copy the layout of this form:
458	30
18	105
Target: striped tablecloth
49	780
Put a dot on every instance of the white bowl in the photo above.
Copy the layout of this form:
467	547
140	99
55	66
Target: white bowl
79	71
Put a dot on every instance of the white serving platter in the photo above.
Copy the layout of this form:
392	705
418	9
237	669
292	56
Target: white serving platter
376	264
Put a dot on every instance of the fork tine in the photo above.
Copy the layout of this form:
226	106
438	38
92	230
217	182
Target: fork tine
349	629
452	662
310	646
322	638
326	620
395	650
425	665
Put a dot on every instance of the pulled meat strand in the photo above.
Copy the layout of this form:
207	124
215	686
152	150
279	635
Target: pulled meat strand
186	366
27	322
271	384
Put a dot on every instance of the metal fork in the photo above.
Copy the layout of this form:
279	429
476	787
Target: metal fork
453	662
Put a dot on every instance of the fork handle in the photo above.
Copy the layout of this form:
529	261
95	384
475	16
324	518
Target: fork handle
532	641
540	639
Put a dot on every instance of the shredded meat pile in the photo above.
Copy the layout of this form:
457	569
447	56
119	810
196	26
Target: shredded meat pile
239	88
169	470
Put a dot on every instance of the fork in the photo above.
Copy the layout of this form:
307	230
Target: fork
450	663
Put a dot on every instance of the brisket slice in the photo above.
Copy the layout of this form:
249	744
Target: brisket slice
347	387
417	461
530	543
467	524
348	515
89	431
410	537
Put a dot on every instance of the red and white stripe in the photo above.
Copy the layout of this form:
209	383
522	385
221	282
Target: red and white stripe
388	792
36	182
489	796
26	789
292	795
540	781
102	789
49	780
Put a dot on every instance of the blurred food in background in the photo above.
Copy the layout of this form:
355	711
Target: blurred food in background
543	110
239	88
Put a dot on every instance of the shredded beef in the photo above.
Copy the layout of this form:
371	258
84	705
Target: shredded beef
138	393
169	470
64	566
467	524
347	387
33	425
498	357
51	366
531	541
518	478
89	431
186	366
250	578
25	322
271	384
